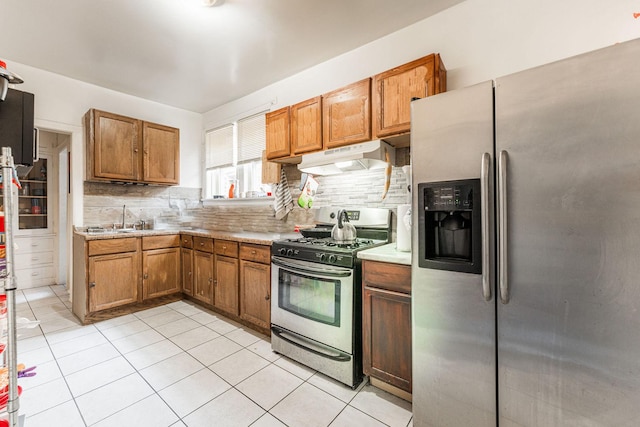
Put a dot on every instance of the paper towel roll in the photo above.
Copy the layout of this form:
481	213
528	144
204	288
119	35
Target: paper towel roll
403	230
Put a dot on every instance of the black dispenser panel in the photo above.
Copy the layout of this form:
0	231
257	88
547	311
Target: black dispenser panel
449	225
16	126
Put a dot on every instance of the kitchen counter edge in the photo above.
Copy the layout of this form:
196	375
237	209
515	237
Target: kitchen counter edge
255	237
386	253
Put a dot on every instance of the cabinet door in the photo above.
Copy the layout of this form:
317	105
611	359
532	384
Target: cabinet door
278	137
161	154
186	256
113	280
255	293
306	126
203	274
160	272
226	284
386	336
394	89
114	143
346	115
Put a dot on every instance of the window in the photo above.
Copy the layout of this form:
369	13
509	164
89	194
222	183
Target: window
234	156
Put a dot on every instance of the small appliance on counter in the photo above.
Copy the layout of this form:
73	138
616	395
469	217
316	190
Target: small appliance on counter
316	303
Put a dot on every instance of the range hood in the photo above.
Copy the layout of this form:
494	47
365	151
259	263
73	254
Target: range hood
366	155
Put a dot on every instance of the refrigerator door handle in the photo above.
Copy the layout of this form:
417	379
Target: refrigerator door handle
502	209
484	202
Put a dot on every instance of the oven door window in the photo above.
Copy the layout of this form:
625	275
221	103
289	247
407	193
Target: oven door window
314	298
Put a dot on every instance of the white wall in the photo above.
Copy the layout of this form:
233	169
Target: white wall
61	102
478	40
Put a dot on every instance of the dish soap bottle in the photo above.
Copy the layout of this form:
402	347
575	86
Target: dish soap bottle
231	190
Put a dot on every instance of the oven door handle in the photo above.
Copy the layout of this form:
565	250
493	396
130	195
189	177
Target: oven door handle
340	356
326	272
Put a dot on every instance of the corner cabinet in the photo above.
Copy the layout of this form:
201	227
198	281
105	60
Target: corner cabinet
125	149
394	89
160	266
386	323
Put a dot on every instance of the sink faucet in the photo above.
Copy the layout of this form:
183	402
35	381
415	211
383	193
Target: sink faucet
123	208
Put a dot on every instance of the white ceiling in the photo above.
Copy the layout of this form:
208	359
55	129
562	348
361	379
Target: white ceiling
180	53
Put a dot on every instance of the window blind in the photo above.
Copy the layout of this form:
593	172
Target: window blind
251	138
219	147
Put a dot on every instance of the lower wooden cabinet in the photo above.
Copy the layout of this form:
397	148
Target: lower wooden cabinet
113	280
255	284
186	262
386	312
160	266
226	284
203	276
161	272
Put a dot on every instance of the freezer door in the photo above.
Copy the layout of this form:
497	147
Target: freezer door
569	337
454	372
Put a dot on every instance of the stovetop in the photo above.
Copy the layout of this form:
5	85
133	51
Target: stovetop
324	251
373	228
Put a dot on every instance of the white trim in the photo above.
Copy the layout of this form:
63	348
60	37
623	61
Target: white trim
253	201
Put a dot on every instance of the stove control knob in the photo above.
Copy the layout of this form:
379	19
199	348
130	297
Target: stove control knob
323	257
332	258
282	251
289	252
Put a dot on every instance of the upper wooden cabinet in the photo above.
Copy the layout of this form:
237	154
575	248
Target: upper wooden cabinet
113	146
125	149
394	89
306	126
346	115
160	154
278	136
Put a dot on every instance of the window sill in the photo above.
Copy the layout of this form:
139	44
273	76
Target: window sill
251	201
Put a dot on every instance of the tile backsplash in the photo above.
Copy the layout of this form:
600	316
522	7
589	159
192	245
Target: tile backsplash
178	206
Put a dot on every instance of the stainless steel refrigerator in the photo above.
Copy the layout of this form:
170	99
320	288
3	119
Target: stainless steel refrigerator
526	247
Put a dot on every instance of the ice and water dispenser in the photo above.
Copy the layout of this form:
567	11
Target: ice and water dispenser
449	225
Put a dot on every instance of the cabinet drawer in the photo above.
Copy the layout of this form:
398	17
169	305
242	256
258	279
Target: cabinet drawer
35	259
34	244
204	244
113	246
35	276
227	247
160	242
256	253
385	275
186	241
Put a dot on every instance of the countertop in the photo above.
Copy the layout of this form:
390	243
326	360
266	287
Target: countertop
386	253
259	238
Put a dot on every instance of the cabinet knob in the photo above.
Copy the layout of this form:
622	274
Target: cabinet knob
135	150
215	282
201	243
92	284
267	297
190	273
253	252
146	276
210	280
224	248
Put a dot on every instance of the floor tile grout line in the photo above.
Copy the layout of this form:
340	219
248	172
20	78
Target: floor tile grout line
237	327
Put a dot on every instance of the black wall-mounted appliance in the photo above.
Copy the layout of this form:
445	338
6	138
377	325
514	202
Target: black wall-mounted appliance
16	126
449	226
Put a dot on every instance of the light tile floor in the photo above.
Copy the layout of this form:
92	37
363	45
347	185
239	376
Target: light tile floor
175	365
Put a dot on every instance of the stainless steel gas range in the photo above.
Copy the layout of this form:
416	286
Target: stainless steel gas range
316	300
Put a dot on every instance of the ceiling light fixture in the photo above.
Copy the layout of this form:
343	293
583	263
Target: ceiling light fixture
209	3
